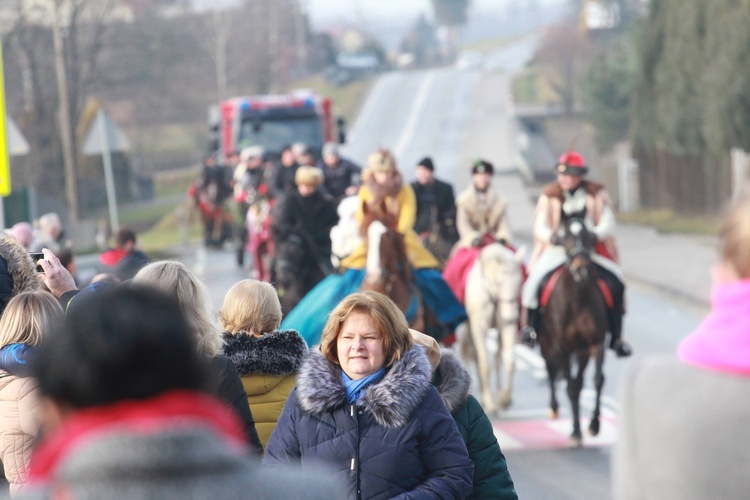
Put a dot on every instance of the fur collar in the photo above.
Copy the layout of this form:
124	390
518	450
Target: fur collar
392	401
389	189
21	275
452	381
279	353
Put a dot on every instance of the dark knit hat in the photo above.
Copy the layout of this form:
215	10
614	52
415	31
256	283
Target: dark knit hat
482	167
426	162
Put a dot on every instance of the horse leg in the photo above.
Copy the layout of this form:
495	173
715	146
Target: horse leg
508	355
598	355
478	326
574	394
552	369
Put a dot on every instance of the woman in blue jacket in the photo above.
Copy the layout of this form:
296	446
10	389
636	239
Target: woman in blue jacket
364	407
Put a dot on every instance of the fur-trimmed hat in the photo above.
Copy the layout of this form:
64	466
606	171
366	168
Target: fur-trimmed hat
381	161
309	176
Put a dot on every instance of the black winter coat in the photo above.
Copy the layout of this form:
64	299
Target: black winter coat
310	217
435	203
397	441
346	173
228	388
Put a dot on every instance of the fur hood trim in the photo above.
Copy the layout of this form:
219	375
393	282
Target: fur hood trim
454	381
392	401
21	275
279	353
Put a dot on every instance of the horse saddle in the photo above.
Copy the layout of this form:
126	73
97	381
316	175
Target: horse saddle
550	281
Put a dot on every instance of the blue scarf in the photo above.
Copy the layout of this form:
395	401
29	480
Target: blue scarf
354	388
14	359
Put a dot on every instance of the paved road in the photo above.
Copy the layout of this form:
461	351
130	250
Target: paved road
455	117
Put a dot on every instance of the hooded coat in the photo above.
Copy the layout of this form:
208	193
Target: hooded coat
17	271
491	476
397	441
268	366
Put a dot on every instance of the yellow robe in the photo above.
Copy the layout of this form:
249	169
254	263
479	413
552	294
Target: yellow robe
405	199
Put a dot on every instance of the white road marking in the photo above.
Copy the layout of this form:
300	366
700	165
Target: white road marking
414	114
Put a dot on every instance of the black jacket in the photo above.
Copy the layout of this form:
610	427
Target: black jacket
229	388
310	217
282	180
346	173
435	204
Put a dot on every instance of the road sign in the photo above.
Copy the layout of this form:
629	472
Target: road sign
4	156
17	145
104	137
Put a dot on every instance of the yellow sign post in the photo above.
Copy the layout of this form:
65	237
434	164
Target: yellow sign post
4	154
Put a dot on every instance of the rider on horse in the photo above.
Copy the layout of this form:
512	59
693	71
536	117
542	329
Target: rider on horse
573	196
308	215
481	219
436	205
382	185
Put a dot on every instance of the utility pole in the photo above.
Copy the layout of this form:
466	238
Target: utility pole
66	132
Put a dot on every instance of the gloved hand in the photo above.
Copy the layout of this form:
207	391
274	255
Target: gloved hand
554	239
477	242
502	241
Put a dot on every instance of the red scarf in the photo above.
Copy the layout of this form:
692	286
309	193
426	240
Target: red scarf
166	411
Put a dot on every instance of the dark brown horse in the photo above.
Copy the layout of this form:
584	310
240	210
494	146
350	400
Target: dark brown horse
573	327
388	270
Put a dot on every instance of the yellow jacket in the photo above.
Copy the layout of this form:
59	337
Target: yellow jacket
266	395
268	367
406	204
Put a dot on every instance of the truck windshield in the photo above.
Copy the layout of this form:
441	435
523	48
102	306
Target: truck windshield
273	134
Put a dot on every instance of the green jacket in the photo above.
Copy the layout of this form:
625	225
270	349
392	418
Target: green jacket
491	476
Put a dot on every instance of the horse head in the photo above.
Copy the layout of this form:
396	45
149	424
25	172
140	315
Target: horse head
578	243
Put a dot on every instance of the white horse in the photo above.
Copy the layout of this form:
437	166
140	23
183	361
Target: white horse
492	292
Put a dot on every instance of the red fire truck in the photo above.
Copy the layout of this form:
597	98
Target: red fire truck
272	121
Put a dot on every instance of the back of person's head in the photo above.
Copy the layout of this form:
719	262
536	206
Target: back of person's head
128	342
251	306
735	236
123	236
50	224
17	270
175	279
29	317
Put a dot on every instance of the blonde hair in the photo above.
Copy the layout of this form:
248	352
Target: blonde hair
735	236
28	318
176	280
381	161
251	306
389	322
309	176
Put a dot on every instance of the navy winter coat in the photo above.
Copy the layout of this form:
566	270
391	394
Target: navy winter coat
398	440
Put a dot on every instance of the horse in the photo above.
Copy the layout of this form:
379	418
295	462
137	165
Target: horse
574	325
297	268
388	269
290	254
491	300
